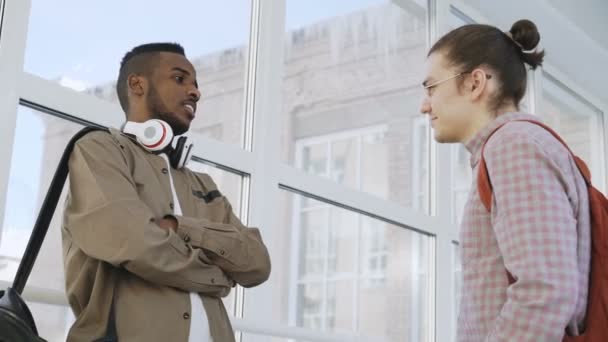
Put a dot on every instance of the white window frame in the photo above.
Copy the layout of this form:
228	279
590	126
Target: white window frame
260	156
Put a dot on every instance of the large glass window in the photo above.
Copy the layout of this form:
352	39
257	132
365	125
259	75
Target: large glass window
345	272
87	56
578	122
40	140
351	95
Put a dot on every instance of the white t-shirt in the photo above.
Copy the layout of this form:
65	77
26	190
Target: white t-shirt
199	323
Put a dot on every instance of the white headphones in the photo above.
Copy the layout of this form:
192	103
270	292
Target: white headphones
157	136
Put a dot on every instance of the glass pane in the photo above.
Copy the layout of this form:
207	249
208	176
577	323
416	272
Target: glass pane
314	158
344	162
462	178
375	146
40	139
579	123
340	312
39	142
349	87
52	321
314	242
310	300
231	186
339	271
87	58
342	243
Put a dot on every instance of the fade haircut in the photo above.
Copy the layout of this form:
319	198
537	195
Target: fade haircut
141	60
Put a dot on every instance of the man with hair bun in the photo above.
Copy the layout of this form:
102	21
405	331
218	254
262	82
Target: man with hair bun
525	245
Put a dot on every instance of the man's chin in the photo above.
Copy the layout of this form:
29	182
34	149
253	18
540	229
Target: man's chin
180	128
443	139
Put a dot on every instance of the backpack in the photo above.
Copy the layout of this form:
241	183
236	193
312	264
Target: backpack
596	319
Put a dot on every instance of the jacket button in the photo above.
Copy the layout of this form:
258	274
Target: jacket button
171	205
222	252
186	315
212	280
165	171
186	238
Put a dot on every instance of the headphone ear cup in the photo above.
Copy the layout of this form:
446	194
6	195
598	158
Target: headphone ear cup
154	134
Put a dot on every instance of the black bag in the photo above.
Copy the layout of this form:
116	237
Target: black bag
16	321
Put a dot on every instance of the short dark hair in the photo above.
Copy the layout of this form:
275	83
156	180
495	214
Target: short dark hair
471	46
141	60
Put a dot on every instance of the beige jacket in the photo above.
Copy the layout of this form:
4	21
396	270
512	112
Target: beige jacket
113	249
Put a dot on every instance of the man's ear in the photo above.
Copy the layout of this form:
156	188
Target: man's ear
137	84
478	83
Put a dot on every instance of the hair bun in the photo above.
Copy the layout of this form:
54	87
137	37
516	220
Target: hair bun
525	33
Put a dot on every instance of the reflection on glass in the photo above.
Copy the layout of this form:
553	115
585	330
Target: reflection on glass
350	93
345	272
578	122
40	140
313	255
462	178
314	157
52	321
88	55
231	186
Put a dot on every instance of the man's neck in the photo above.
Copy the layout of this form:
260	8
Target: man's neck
483	118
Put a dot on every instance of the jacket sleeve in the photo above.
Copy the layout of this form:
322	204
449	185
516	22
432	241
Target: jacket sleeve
535	229
238	250
106	218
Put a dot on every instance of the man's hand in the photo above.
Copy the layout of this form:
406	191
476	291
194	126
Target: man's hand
168	222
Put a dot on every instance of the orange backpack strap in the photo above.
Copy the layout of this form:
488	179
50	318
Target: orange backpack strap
484	186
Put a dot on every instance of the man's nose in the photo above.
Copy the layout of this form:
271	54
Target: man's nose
195	94
425	105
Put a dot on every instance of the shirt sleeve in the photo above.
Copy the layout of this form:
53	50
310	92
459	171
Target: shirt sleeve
535	228
238	250
106	218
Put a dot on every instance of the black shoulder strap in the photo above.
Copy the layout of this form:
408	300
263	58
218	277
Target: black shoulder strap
44	219
46	212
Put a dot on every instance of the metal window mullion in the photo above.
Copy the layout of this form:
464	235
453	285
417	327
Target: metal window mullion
325	285
358	275
13	37
250	81
247	140
440	300
265	116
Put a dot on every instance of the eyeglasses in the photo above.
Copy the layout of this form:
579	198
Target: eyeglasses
429	87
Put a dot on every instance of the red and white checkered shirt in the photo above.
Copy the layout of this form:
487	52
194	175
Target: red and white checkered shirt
538	230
